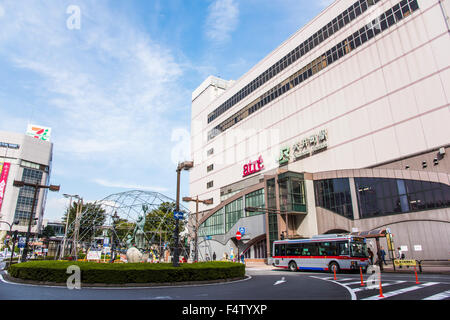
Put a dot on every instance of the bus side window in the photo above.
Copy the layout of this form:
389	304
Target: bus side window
343	248
282	250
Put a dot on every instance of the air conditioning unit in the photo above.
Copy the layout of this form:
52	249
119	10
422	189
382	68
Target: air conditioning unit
441	151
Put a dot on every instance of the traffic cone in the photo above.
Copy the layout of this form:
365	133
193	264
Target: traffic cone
417	279
381	289
362	280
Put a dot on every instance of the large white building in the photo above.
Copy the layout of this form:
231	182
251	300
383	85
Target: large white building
344	127
23	158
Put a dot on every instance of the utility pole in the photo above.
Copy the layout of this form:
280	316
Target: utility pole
36	187
181	166
197	201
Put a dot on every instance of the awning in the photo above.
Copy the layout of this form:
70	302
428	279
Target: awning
377	233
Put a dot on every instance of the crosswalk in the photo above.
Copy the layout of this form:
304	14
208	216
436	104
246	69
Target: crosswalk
392	289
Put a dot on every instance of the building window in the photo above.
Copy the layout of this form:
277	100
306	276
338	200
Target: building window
210	152
233	212
343	48
334	195
382	196
272	217
255	200
292	193
210	184
210	168
214	225
26	195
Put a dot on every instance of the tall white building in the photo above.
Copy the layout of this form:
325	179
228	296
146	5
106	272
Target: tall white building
344	127
24	158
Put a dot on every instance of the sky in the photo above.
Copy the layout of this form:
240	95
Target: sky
113	79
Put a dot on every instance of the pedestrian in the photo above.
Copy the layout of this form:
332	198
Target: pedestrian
242	259
214	256
400	255
383	256
370	255
207	256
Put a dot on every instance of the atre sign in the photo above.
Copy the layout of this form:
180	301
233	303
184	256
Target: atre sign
306	147
253	167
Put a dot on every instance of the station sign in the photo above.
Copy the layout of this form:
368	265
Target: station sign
306	147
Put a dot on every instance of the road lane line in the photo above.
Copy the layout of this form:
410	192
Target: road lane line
439	296
397	292
352	294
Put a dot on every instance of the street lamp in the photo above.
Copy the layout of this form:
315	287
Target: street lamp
181	166
13	238
197	201
61	255
36	187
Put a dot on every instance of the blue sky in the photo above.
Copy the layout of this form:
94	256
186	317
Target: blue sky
115	85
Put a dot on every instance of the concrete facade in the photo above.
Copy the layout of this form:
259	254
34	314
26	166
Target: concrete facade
32	154
383	105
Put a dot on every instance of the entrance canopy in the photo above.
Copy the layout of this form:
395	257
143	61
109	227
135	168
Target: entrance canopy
377	233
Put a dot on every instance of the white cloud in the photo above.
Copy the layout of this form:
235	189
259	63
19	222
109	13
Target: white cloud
121	185
222	20
107	85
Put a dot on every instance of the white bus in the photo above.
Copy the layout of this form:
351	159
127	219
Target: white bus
324	253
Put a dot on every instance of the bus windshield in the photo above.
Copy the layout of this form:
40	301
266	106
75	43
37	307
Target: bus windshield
358	249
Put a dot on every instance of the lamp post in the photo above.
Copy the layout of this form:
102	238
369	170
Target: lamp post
36	187
13	238
61	255
197	201
181	166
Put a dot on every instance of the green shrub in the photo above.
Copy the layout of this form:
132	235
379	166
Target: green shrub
92	272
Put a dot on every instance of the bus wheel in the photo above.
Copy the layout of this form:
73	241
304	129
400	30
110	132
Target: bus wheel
332	266
292	266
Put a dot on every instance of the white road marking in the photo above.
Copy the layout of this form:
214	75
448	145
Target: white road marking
283	280
352	294
397	292
439	296
382	285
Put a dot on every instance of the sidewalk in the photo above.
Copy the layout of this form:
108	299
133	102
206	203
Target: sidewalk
427	267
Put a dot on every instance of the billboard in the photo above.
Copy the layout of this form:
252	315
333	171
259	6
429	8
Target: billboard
39	132
3	179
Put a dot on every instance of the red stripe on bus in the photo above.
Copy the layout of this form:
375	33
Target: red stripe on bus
320	257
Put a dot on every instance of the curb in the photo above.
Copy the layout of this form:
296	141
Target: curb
8	278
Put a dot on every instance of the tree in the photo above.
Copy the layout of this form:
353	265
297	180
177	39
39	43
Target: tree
92	219
160	224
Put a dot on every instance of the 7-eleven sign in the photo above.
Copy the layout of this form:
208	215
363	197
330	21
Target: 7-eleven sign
39	132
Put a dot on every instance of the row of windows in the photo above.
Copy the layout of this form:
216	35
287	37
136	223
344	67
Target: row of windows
229	215
369	31
317	38
9	145
255	199
334	195
381	196
313	249
213	225
26	195
209	184
378	197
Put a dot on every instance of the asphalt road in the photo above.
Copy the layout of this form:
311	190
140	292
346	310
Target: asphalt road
259	285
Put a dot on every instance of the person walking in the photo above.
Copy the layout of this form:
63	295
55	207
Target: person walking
370	255
383	256
214	256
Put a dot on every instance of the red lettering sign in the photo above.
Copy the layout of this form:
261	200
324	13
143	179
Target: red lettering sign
253	167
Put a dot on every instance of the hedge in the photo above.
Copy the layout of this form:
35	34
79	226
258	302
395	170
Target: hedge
127	273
